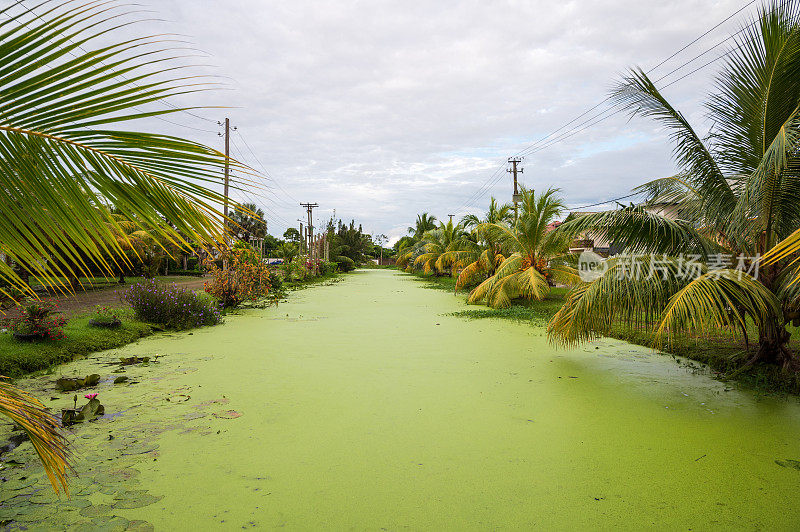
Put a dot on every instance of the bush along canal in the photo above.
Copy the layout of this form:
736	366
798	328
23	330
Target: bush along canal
367	404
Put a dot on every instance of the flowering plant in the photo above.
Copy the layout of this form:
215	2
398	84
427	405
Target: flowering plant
170	306
37	320
244	278
104	315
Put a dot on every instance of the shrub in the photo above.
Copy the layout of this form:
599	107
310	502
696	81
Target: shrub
328	268
37	320
170	306
246	278
294	271
104	315
275	280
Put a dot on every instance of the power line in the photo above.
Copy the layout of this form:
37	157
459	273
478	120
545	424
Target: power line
264	169
597	118
245	188
606	202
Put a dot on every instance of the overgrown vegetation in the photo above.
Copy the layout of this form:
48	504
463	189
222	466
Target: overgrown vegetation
721	351
79	339
170	306
244	277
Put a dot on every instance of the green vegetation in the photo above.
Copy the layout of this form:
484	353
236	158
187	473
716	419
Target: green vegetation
735	198
79	339
720	350
690	278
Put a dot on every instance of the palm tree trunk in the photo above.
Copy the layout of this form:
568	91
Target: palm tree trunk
773	346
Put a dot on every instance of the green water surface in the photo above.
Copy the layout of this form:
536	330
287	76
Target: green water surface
363	405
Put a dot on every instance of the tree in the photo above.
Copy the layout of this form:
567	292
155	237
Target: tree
425	222
288	252
292	235
495	215
476	267
349	246
270	244
736	194
142	248
247	222
402	244
535	257
61	157
439	249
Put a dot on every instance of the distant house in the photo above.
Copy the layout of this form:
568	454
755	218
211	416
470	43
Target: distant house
597	241
590	240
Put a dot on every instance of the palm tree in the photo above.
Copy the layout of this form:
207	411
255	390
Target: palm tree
288	251
438	251
443	247
736	195
476	267
61	156
425	222
496	214
138	244
247	222
535	255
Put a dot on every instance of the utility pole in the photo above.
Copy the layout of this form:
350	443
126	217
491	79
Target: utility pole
310	229
227	136
300	239
514	170
451	218
309	209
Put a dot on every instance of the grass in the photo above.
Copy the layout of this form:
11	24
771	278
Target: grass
80	339
723	352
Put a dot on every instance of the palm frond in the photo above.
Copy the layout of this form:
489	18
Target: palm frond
59	159
42	429
636	230
716	300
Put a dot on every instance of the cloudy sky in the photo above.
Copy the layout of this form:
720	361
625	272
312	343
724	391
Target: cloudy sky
380	110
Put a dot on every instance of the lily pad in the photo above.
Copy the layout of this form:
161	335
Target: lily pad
127	500
68	384
227	414
96	510
792	464
179	398
140	526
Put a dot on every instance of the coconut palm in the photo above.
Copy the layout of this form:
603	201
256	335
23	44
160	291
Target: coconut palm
535	255
61	93
425	222
475	267
735	198
439	249
247	222
287	251
494	215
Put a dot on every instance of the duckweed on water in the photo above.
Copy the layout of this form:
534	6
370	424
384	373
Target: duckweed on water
378	409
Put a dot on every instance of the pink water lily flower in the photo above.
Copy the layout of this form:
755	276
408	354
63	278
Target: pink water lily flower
90	396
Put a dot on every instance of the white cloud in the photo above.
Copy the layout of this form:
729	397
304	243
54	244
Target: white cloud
381	110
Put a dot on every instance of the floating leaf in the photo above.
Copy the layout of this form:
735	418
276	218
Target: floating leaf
95	510
179	398
127	500
227	414
792	464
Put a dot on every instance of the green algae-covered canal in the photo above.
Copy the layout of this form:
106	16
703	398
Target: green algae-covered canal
364	405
